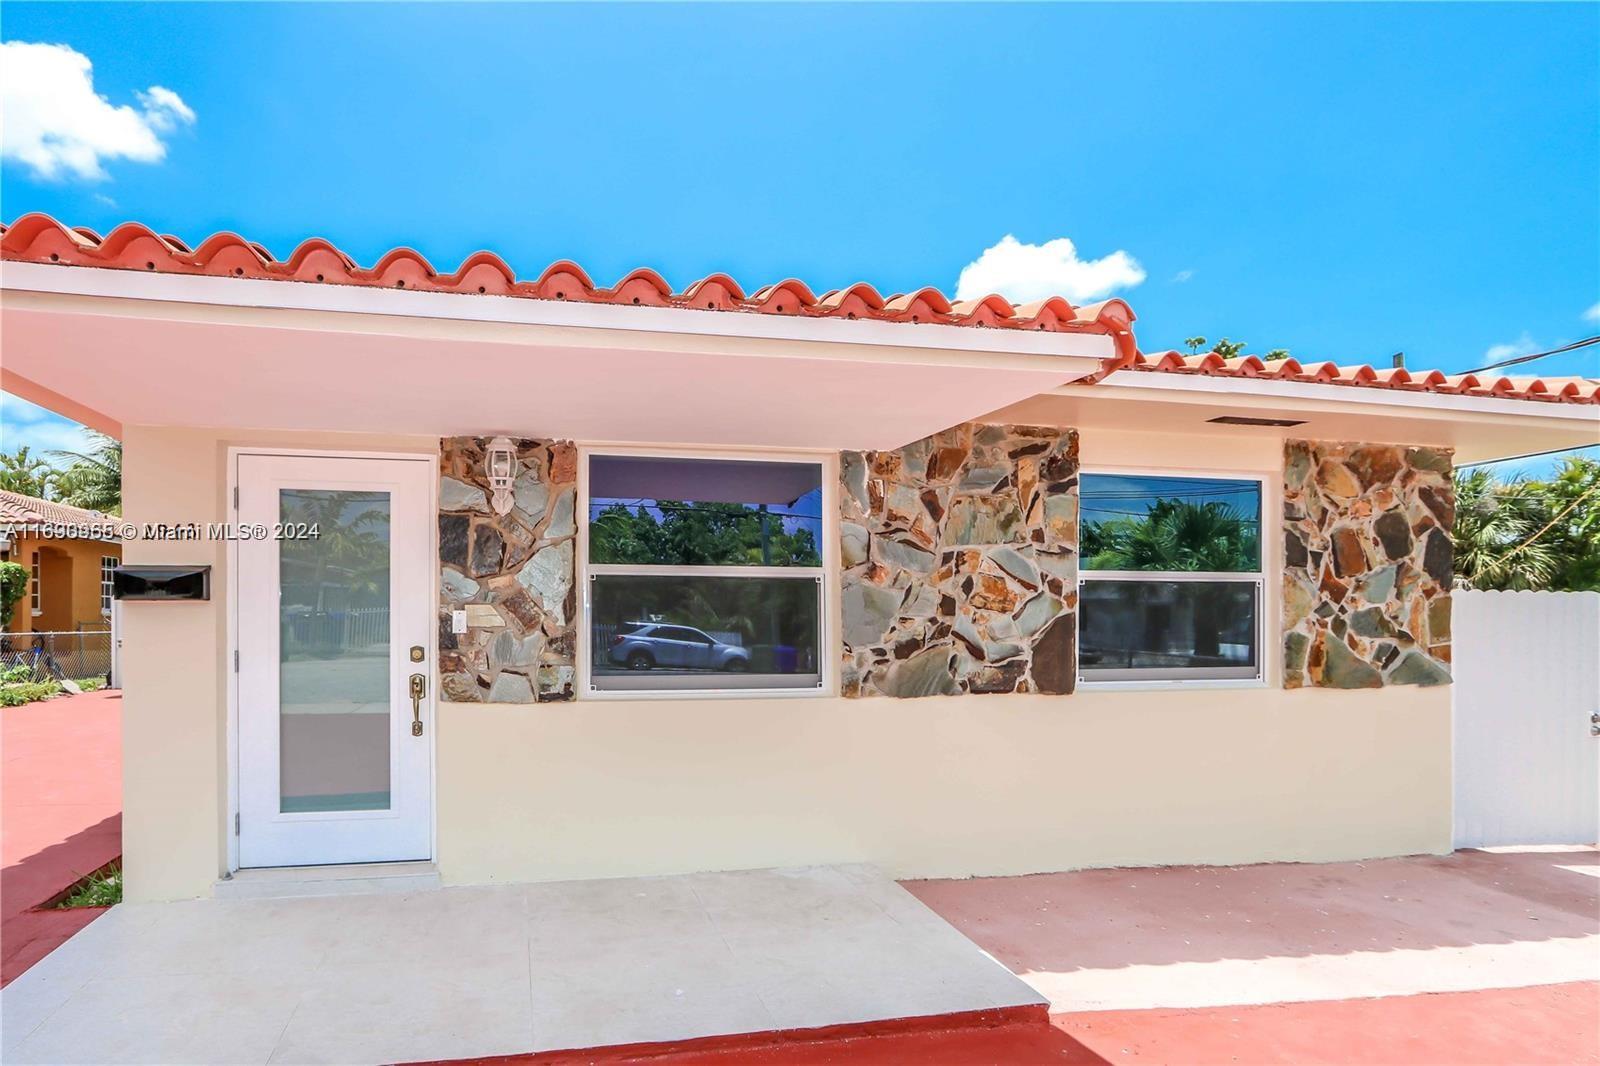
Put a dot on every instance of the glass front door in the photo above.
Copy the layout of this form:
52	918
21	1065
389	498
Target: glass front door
333	651
335	660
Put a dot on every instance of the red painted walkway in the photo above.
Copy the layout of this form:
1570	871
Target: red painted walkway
61	790
1543	1024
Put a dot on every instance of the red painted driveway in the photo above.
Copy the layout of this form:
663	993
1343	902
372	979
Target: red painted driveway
1546	1024
61	790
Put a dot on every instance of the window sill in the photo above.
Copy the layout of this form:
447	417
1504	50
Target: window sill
660	695
1167	686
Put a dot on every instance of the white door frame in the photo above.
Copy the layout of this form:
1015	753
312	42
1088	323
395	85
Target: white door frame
230	509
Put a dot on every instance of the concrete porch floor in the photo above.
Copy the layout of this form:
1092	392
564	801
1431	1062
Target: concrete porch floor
497	970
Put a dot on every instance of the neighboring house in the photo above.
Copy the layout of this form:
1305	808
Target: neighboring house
446	495
70	554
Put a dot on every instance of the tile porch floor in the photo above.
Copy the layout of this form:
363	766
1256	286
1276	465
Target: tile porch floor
495	970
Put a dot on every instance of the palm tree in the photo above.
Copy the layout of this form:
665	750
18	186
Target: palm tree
352	542
23	472
1179	535
1174	535
93	479
1494	523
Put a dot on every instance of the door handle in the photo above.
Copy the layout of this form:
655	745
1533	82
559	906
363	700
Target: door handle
419	689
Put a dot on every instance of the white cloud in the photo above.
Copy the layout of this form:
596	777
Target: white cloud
23	423
56	124
1523	345
1023	272
1182	276
1593	314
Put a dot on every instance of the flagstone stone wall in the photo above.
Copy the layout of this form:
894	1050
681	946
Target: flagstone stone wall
511	573
1367	565
960	556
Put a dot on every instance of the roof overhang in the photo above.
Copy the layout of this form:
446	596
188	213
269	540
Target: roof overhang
117	347
1477	427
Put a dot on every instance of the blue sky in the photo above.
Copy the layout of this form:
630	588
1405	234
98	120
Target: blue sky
1344	181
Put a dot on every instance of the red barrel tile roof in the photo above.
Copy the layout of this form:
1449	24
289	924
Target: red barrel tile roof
38	238
19	510
1549	389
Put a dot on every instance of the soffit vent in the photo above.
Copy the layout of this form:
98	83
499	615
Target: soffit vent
1246	420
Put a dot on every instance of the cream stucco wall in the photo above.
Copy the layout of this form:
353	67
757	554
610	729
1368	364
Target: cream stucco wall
939	786
958	786
176	768
943	786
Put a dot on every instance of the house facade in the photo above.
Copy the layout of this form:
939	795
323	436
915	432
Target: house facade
533	579
70	553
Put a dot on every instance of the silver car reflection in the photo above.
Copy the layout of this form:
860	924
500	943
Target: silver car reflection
647	645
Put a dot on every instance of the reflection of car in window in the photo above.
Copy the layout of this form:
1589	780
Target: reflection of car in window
647	645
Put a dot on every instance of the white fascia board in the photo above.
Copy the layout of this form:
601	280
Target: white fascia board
473	307
1209	388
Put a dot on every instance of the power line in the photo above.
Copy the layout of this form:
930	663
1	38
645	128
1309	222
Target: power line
1574	346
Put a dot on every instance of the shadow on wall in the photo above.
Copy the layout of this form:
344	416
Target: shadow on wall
1108	919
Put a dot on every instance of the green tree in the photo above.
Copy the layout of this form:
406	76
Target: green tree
1521	533
1179	535
1275	355
1228	349
1194	344
93	479
1493	536
1174	535
13	586
698	534
1574	498
22	471
344	565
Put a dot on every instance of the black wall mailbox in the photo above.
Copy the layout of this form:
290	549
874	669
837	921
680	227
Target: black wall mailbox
161	582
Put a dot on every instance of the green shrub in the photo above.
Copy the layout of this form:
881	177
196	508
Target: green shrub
90	684
13	586
28	692
103	888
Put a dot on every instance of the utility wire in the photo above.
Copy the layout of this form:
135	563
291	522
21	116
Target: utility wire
1574	346
1548	526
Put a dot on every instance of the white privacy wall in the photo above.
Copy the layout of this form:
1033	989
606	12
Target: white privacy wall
1527	678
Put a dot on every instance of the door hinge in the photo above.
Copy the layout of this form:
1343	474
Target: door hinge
236	660
236	497
235	823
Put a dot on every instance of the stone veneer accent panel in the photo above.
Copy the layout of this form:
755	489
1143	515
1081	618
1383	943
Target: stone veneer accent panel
512	573
1367	565
960	556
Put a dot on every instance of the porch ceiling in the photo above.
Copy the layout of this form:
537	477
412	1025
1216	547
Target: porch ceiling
486	365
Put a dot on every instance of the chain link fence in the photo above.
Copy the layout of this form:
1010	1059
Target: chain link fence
71	656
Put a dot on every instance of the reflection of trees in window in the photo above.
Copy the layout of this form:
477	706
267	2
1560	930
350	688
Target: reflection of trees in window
343	567
673	532
1176	535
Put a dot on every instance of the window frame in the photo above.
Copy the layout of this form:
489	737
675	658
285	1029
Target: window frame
825	576
108	566
1267	546
35	585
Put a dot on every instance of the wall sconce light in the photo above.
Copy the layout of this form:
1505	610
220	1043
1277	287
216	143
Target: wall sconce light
500	464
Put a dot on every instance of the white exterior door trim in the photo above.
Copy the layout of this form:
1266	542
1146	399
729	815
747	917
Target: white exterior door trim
428	580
